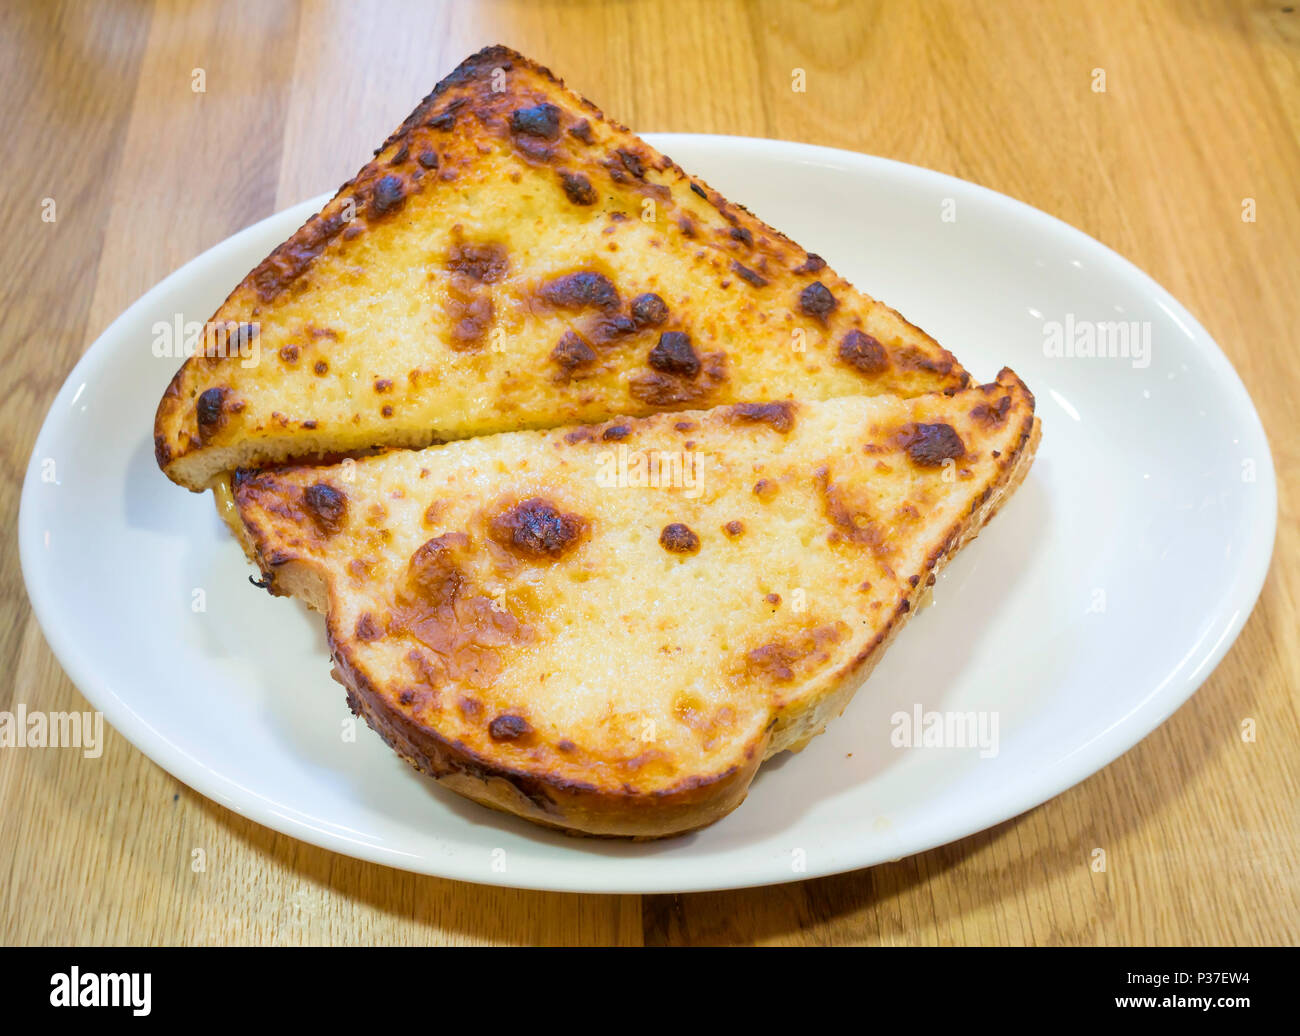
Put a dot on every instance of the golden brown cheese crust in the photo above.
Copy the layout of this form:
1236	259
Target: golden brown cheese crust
513	259
530	621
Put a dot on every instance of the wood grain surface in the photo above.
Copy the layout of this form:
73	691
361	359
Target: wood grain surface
1201	111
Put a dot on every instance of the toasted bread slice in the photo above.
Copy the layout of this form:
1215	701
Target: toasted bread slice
512	259
607	629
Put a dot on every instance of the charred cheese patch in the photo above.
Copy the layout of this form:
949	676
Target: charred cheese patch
512	259
609	632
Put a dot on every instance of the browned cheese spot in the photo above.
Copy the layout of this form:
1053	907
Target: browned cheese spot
209	411
610	327
864	353
469	314
817	301
326	506
389	196
366	629
433	571
852	519
679	539
465	631
571	353
582	290
536	529
929	445
992	415
577	188
542	120
777	416
909	357
778	660
507	727
665	389
674	355
468	310
648	310
486	263
747	275
631	162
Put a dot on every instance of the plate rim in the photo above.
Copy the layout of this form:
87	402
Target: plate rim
598	874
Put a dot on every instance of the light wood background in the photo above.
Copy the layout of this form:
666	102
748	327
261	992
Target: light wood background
1201	110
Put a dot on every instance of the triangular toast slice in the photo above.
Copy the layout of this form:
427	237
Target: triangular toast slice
607	629
512	259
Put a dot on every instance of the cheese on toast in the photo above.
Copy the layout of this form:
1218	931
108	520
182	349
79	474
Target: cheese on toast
512	259
607	628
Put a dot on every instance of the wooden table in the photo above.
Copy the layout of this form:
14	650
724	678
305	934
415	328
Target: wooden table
1201	110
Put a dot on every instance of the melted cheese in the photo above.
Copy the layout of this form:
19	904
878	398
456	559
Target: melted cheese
224	498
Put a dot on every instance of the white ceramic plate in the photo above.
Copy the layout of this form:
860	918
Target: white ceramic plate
1095	603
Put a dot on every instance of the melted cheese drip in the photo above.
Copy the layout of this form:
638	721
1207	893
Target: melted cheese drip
224	498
